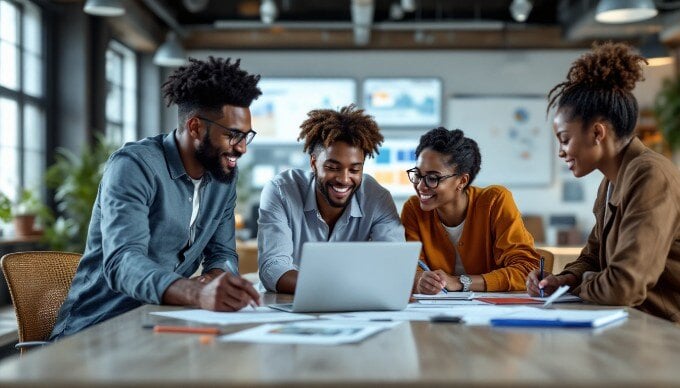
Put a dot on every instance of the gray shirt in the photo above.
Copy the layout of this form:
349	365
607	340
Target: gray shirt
289	217
138	239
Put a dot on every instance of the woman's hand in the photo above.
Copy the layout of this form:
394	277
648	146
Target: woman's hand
431	282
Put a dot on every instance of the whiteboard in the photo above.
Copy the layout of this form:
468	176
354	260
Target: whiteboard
514	136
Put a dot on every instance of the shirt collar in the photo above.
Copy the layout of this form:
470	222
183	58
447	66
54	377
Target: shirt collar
174	160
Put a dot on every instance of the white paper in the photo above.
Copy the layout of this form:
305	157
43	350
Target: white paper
594	318
448	302
310	333
246	315
442	296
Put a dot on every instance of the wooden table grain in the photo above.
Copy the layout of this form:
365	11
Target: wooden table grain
641	351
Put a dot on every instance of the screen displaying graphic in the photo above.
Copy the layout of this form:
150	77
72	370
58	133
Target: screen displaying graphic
400	102
284	103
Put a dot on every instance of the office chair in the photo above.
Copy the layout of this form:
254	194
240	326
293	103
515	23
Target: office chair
548	259
38	283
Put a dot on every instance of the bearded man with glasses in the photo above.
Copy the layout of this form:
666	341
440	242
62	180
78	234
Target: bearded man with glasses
473	238
166	205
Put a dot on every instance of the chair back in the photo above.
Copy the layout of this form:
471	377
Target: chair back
548	259
38	283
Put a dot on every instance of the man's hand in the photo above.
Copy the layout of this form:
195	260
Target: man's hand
208	276
228	292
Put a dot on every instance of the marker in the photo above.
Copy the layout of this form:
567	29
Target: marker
424	267
540	276
185	329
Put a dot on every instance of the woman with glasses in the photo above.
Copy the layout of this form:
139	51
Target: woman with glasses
473	238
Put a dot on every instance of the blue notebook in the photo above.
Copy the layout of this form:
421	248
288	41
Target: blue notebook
561	318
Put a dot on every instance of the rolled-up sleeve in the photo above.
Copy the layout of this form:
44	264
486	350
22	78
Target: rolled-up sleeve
274	237
126	192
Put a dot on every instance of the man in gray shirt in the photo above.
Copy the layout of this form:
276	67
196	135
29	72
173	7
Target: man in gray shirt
166	204
333	202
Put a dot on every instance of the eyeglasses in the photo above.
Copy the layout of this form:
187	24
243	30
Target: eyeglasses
235	136
431	180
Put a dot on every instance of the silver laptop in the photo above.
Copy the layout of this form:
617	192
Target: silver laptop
354	276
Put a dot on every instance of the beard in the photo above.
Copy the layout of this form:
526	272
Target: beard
324	190
211	159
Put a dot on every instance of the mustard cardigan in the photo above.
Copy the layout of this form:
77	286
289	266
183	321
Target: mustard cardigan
494	242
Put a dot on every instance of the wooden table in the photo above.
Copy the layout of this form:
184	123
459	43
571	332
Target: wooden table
642	351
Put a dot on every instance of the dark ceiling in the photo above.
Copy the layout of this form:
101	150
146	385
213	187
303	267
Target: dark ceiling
543	12
434	24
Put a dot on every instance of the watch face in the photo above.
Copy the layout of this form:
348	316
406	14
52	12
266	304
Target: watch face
465	279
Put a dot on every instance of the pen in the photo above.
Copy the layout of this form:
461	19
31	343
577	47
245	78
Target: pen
185	329
540	277
424	267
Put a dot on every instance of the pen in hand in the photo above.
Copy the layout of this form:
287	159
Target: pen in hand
540	275
424	267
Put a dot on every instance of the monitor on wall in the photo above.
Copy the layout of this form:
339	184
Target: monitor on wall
285	102
404	102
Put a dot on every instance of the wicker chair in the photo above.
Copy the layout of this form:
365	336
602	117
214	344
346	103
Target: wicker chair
38	283
548	259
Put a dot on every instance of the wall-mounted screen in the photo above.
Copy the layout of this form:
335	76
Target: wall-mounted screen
400	102
284	103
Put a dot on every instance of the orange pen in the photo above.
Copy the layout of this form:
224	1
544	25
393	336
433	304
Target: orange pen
185	329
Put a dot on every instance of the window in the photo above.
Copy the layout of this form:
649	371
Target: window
22	99
121	97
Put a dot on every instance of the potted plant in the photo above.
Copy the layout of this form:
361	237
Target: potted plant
667	111
75	179
5	208
25	210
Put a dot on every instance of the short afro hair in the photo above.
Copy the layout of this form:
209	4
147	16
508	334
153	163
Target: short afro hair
209	85
460	152
323	127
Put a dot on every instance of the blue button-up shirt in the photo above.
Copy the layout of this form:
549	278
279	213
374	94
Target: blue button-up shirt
289	217
137	243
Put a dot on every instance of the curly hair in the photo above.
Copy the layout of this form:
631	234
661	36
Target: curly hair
462	152
209	85
323	127
599	85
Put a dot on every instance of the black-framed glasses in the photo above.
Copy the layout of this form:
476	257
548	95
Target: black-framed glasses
431	180
235	136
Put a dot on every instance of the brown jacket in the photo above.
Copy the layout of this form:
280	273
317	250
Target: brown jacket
635	250
494	243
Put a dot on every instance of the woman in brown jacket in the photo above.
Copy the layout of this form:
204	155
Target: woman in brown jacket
473	237
632	257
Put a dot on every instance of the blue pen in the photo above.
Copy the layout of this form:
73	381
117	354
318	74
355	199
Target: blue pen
424	267
541	263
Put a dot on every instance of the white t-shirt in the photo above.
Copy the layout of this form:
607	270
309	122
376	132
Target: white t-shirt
454	233
195	205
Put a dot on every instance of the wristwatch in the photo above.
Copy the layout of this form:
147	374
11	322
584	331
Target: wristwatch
466	281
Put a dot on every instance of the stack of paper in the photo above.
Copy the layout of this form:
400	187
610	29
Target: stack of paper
560	318
310	333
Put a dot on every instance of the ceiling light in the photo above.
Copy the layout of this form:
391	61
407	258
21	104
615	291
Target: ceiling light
396	12
170	53
408	5
520	9
104	7
268	11
195	6
655	52
625	11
